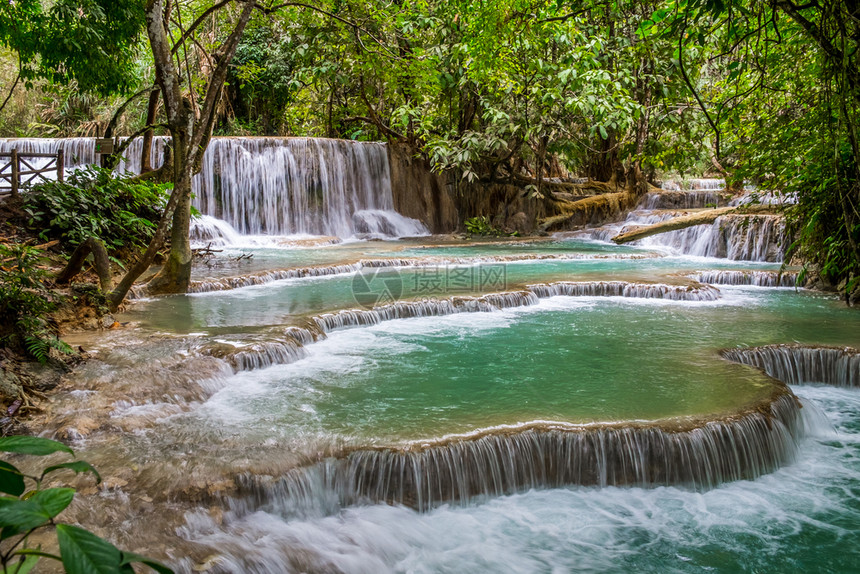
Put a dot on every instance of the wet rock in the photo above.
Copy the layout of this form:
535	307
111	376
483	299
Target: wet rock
519	222
10	386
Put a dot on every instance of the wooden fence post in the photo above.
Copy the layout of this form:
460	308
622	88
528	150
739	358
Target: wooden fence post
61	164
14	172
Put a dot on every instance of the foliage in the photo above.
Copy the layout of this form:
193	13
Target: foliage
120	211
25	510
91	42
481	225
25	301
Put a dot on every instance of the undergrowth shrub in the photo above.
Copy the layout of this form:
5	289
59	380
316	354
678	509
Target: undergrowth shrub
25	301
92	202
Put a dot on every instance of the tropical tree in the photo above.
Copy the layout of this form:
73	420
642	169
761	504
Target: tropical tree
90	43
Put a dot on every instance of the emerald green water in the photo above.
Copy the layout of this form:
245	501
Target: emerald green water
280	302
566	359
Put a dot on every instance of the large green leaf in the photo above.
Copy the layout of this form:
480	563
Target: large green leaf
85	553
32	445
11	481
38	509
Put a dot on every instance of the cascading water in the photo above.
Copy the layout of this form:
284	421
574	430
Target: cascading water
682	200
736	237
756	278
510	460
274	186
300	186
694	184
79	152
796	364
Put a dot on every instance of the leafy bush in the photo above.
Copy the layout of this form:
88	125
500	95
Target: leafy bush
24	302
480	225
121	212
823	221
23	511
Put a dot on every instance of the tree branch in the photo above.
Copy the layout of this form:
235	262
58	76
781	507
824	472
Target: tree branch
115	119
693	90
197	22
272	9
12	89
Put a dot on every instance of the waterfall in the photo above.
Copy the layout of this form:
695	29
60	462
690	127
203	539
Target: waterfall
208	229
634	219
539	455
736	237
274	186
625	289
289	186
79	151
431	308
694	184
756	278
262	355
682	200
765	198
796	364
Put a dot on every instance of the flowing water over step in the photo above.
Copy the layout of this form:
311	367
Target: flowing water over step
797	364
514	459
747	277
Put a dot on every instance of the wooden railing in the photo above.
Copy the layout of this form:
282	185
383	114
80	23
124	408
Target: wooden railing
16	172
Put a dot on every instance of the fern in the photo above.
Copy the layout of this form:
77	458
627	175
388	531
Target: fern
37	347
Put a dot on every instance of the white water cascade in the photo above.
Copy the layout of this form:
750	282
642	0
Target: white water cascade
731	236
274	186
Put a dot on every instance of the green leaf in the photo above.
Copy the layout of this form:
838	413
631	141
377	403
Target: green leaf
85	553
130	557
32	445
603	133
11	480
36	510
78	466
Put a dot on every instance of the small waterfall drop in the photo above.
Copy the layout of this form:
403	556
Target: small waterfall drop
736	237
797	364
79	152
756	278
507	460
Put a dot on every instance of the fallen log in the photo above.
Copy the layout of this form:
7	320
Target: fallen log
700	218
594	209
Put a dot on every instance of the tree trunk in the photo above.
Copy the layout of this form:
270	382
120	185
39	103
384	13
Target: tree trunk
76	262
146	152
175	275
603	165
